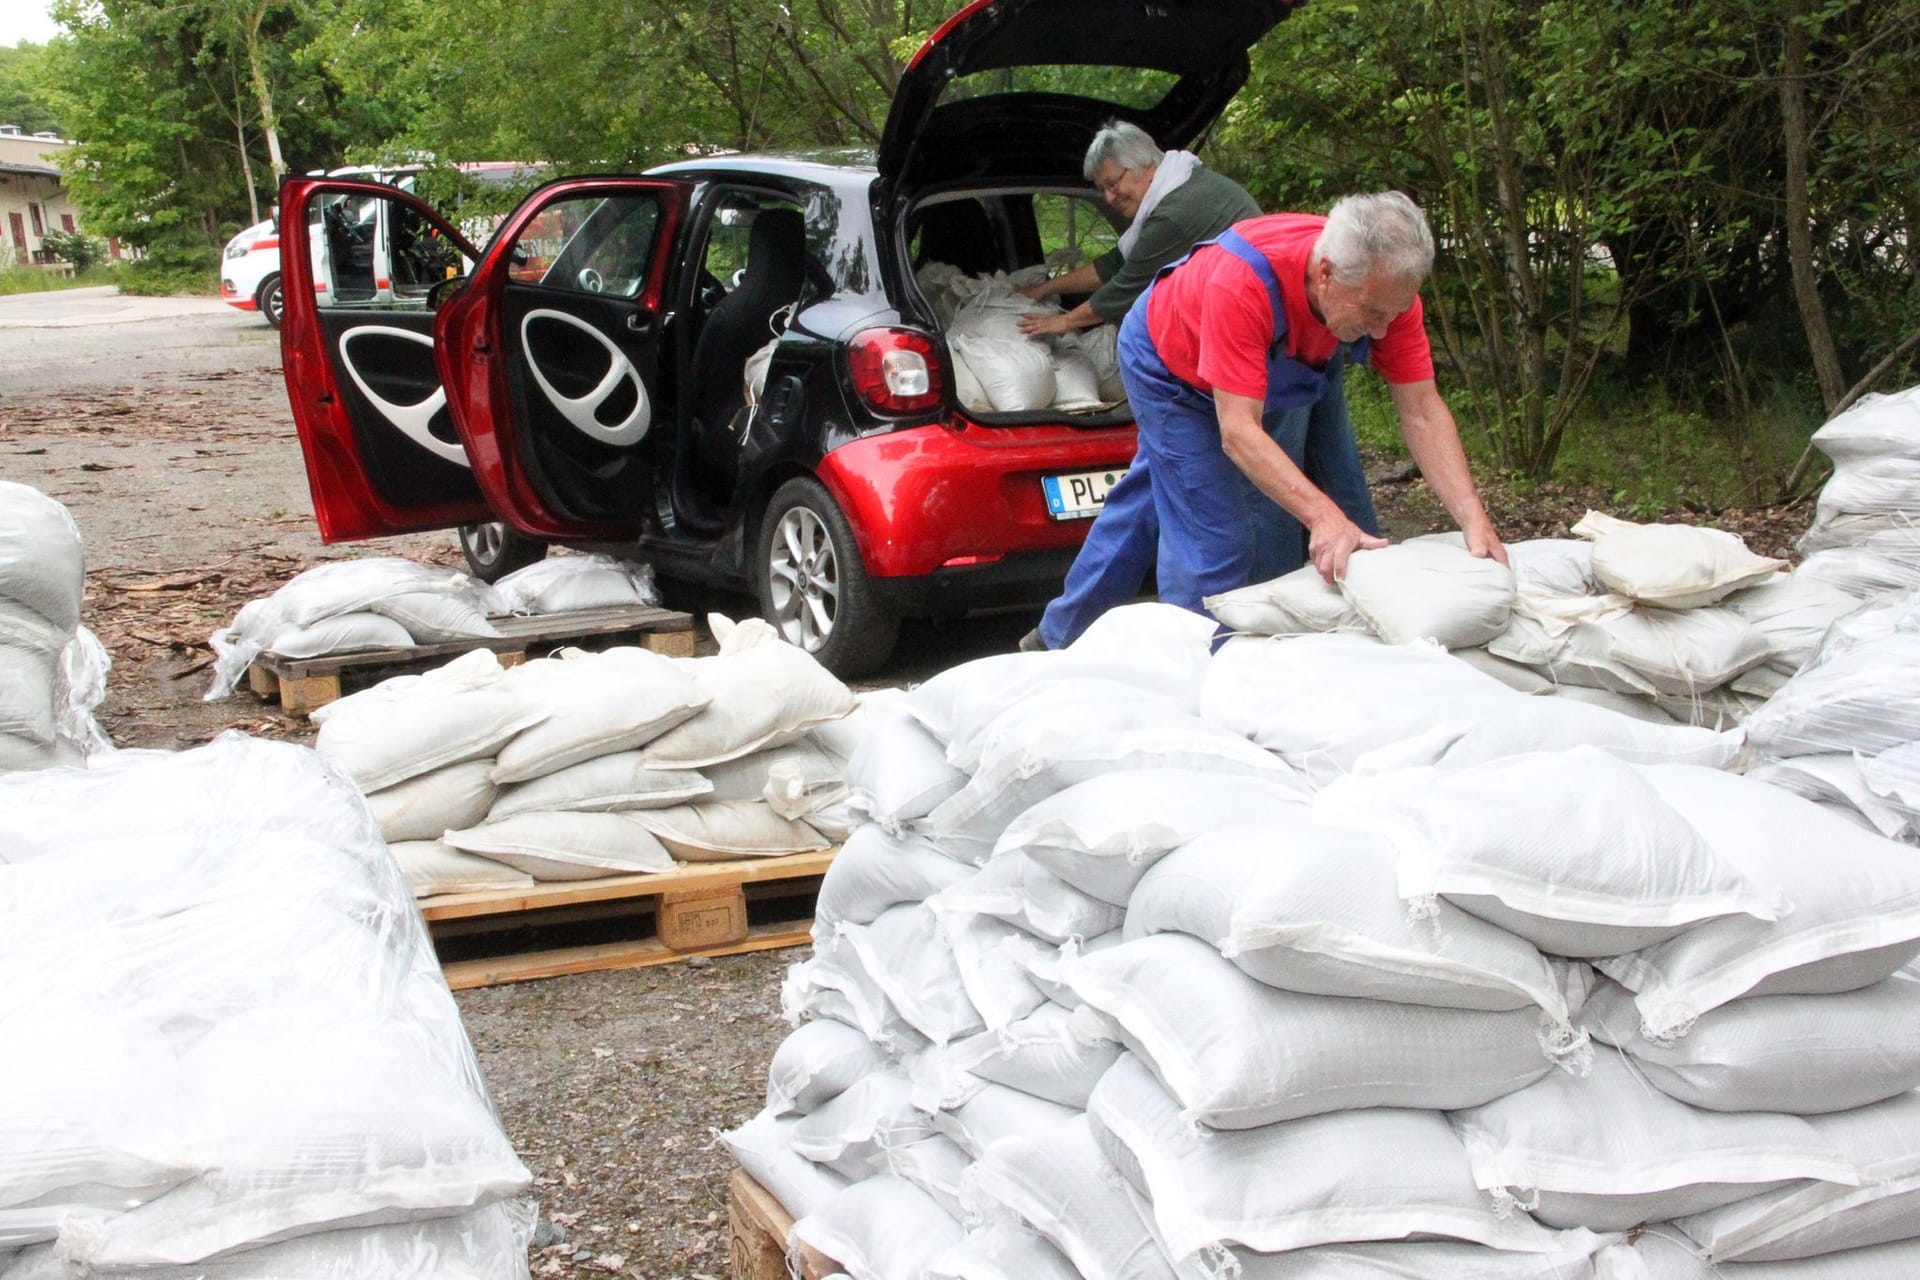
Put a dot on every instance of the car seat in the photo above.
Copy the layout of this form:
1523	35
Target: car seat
959	233
741	322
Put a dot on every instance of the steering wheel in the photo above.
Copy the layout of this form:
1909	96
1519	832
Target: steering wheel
590	280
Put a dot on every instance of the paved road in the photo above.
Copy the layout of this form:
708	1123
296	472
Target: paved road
74	339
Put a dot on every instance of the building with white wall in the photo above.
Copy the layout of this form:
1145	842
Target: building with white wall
33	198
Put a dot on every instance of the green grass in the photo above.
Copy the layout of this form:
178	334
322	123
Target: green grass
39	280
151	279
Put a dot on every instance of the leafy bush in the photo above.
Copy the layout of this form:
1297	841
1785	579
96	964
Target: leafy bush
75	247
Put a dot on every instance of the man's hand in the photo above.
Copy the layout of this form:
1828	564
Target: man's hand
1039	292
1038	323
1482	541
1333	538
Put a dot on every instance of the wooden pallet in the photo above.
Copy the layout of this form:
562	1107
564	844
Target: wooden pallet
697	909
301	684
757	1227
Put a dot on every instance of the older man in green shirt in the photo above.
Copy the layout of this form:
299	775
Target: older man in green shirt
1172	202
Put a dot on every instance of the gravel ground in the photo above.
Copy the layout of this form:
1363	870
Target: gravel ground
165	429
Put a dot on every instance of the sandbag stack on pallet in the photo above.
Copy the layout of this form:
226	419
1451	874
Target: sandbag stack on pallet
52	670
1325	957
586	765
385	603
230	1052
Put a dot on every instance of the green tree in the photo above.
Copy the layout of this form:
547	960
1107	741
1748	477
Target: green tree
24	97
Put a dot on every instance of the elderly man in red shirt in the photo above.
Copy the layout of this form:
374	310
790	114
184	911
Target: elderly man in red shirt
1226	359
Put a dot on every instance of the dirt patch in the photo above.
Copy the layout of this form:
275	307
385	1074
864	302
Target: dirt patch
172	443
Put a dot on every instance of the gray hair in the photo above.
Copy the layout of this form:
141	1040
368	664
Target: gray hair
1384	233
1127	145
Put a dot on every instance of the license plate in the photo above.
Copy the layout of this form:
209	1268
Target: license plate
1079	495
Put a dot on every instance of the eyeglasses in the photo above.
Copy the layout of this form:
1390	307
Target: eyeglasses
1109	188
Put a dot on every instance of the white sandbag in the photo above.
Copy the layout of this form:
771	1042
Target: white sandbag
1073	730
763	1147
1315	910
1429	591
27	697
1894	776
875	870
599	703
349	586
936	1165
1053	1053
1102	835
1160	648
475	669
1398	1173
1632	706
1332	704
1238	1054
1680	652
460	795
1060	1184
967	387
995	962
1793	613
1297	603
718	832
1813	1218
42	562
1722	709
1866	572
1885	486
852	1128
1076	383
566	583
904	953
1874	426
1423	1260
341	633
762	691
1865	699
884	1228
1516	676
1855	917
1839	781
601	785
1662	1253
379	742
899	771
995	1114
834	984
807	771
1015	888
567	846
1798	1054
1560	565
19	753
819	1060
433	866
1001	1251
1674	566
1099	345
436	617
1584	858
1606	1152
1015	372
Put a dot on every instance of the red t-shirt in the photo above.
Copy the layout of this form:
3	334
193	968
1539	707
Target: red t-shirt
1212	323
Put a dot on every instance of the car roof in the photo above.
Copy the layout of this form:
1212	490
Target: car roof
841	167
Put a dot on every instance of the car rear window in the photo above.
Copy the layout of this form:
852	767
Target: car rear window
1138	88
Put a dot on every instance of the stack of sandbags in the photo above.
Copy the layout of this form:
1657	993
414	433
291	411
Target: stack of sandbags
231	1049
52	670
998	369
1845	730
1865	537
566	583
353	606
585	765
1098	990
1650	620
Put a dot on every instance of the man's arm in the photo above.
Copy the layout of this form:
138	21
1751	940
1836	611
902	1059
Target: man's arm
1434	440
1331	536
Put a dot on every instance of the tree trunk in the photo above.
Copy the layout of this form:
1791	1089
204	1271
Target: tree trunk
246	164
1793	119
269	122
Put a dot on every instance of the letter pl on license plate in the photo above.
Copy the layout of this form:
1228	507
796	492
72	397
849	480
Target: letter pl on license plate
1078	495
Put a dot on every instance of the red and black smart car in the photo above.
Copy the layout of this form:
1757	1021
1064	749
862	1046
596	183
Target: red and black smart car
581	379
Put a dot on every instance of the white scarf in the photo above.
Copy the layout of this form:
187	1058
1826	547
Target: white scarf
1175	168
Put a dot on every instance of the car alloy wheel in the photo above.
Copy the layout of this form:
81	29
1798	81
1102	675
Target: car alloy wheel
813	586
493	551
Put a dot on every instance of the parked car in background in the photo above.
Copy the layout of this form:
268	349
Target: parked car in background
585	382
250	264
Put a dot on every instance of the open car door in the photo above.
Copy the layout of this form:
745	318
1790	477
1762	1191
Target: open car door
359	262
553	359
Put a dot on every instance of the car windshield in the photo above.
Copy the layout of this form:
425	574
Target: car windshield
1137	88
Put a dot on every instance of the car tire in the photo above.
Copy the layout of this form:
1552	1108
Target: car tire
271	300
813	586
493	551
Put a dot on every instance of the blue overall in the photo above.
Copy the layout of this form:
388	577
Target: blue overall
1183	505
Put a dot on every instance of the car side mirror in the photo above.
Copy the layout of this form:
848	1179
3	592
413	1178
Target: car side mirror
444	289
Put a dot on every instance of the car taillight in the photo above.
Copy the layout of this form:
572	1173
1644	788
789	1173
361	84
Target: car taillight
896	370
